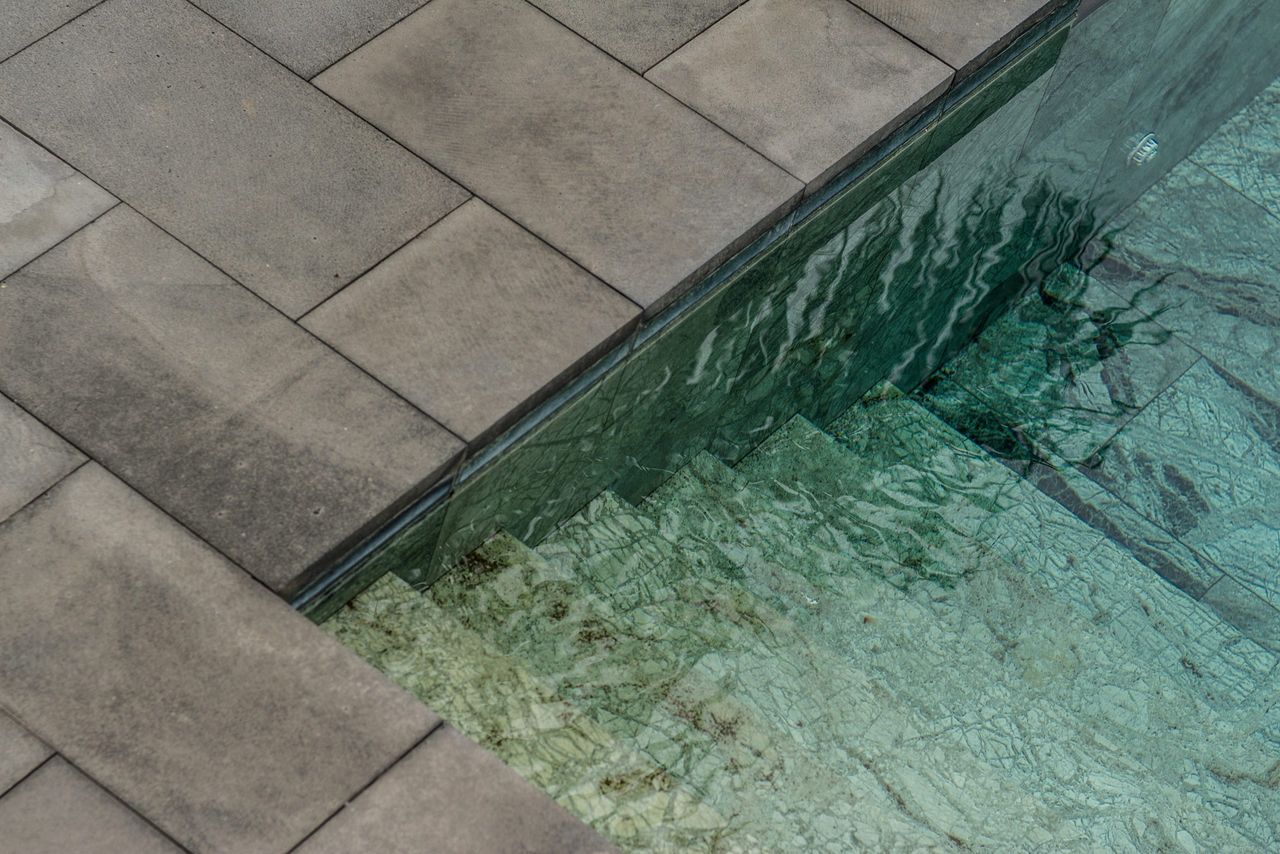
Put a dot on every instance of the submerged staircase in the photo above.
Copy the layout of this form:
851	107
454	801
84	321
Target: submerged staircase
870	637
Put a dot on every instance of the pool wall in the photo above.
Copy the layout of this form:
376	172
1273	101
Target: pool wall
882	275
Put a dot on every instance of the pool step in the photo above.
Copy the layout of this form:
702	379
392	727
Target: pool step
843	718
647	685
494	699
945	667
1101	637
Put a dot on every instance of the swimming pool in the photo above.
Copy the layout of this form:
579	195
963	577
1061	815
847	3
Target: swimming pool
944	519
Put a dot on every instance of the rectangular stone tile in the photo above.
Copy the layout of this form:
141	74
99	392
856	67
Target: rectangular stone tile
245	427
179	683
1126	529
811	84
1207	60
962	33
27	20
235	156
450	795
1245	152
1203	462
1070	364
57	809
1245	610
1204	262
639	34
601	164
20	752
44	200
32	457
473	319
308	35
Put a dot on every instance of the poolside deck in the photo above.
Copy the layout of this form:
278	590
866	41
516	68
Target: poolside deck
271	273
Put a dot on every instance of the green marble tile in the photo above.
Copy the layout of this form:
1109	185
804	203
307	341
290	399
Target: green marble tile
1245	152
1070	365
789	679
1244	609
496	700
1208	59
778	521
1152	546
1205	261
1203	462
657	688
672	393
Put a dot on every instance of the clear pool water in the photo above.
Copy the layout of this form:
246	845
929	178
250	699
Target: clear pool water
1024	599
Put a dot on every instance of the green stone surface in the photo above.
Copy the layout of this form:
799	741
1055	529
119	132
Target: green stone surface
1245	152
1070	365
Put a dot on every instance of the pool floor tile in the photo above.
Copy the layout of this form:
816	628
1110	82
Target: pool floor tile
1245	152
1070	364
811	84
1203	261
59	809
574	146
248	429
219	145
1203	462
1243	608
44	200
179	683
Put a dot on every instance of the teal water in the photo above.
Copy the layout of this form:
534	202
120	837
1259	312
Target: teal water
1029	603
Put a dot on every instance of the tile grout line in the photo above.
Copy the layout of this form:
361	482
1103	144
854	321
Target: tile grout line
120	800
684	43
310	82
611	58
61	240
374	779
79	14
53	754
89	458
1236	191
312	77
224	273
51	487
954	71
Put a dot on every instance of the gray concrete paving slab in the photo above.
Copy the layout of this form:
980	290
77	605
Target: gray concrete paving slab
574	146
308	35
32	457
28	20
812	84
639	34
216	142
962	33
43	200
248	429
176	681
20	752
472	319
451	796
58	810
